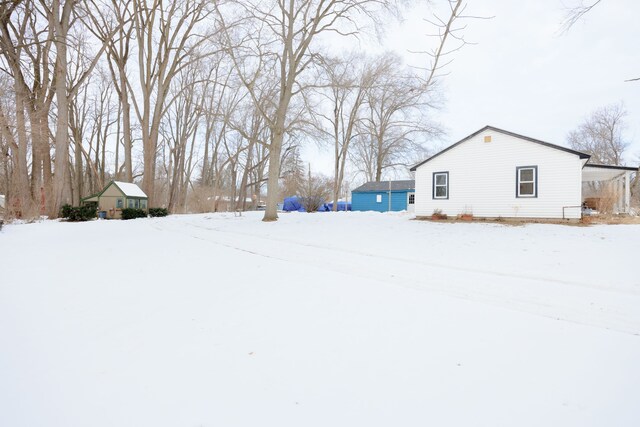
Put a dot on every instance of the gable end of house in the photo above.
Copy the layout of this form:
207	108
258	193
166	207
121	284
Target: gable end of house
506	132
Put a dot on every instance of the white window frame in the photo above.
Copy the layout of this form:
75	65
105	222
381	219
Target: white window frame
445	185
378	198
534	181
409	202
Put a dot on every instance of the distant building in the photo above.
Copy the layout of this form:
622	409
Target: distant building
116	196
384	196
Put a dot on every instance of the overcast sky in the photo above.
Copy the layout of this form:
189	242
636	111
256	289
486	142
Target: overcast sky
524	76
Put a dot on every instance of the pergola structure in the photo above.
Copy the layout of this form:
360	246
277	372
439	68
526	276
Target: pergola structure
619	180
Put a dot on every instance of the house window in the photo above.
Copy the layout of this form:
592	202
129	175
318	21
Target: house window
143	204
441	185
527	181
378	198
119	203
412	199
130	203
137	204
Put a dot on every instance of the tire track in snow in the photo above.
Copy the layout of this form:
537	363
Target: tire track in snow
584	304
413	262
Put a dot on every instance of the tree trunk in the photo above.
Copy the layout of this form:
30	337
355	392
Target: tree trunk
273	181
126	125
61	25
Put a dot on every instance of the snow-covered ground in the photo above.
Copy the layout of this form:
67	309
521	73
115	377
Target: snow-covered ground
347	319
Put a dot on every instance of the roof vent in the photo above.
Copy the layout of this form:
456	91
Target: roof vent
487	138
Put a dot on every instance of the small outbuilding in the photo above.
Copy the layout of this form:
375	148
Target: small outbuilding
496	173
384	196
116	196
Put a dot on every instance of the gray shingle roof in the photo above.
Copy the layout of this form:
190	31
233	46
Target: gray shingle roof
408	184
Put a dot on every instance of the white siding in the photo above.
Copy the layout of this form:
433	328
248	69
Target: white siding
482	179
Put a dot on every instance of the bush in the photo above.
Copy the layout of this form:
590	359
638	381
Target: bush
153	212
65	211
132	213
314	192
79	213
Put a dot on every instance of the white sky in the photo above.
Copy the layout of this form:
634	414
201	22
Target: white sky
526	77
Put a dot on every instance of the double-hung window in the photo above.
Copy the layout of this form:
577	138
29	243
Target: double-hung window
441	185
527	181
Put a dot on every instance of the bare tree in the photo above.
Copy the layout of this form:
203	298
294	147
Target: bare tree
61	17
396	126
294	174
60	21
179	129
348	80
166	42
279	39
111	22
602	135
576	13
103	116
250	124
448	30
25	45
314	192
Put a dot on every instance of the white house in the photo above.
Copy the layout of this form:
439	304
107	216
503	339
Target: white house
495	173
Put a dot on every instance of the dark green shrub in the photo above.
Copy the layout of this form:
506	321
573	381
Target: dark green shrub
158	212
132	213
79	213
65	211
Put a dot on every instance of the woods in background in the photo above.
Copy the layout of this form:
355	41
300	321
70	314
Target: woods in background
205	104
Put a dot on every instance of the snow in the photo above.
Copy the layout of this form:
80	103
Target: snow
334	319
129	189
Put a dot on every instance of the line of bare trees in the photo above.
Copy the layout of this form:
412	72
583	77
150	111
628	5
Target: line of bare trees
205	103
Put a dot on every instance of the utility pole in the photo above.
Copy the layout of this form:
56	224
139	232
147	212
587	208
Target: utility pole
389	196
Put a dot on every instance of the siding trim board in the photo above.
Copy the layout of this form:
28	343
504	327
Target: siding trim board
622	168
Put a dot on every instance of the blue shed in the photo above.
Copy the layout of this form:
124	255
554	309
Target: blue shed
383	196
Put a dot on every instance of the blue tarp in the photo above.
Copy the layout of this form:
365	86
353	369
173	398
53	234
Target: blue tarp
342	206
292	204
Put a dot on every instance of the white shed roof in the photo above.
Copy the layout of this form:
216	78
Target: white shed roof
604	172
130	189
